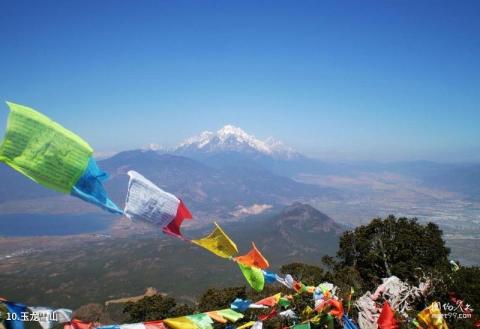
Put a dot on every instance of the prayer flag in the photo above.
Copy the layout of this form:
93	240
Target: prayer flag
132	326
270	301
146	201
53	156
230	315
258	325
17	313
43	150
253	258
202	320
386	320
154	325
218	243
240	304
48	317
288	314
180	323
247	325
348	323
432	317
254	276
302	326
265	317
269	277
217	317
89	188
77	324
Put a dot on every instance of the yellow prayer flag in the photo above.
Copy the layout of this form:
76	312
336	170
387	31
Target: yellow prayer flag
432	317
246	325
218	243
180	323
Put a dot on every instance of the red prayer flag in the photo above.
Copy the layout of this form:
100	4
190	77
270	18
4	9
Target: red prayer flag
174	227
270	315
387	318
77	324
154	325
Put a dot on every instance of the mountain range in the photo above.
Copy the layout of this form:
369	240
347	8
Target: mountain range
229	174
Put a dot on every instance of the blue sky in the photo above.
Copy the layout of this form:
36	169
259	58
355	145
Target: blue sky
392	80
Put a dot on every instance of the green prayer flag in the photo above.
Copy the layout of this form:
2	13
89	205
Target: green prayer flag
43	150
254	276
302	326
284	302
230	315
201	320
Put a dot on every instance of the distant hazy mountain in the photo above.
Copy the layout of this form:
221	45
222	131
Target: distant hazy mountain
205	187
116	268
298	230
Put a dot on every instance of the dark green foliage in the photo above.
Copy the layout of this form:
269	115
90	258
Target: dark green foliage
385	247
154	308
392	246
308	274
466	284
219	298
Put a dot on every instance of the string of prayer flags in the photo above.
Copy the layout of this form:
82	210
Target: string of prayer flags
218	243
253	258
386	320
52	156
432	317
254	276
146	201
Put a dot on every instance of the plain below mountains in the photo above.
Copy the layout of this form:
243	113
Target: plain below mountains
116	268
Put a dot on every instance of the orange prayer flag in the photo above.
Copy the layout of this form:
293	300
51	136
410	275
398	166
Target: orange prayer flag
217	317
253	258
270	301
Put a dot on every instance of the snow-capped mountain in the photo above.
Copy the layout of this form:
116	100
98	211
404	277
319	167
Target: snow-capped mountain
234	139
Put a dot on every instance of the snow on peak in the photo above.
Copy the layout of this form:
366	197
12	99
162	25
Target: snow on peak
231	138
